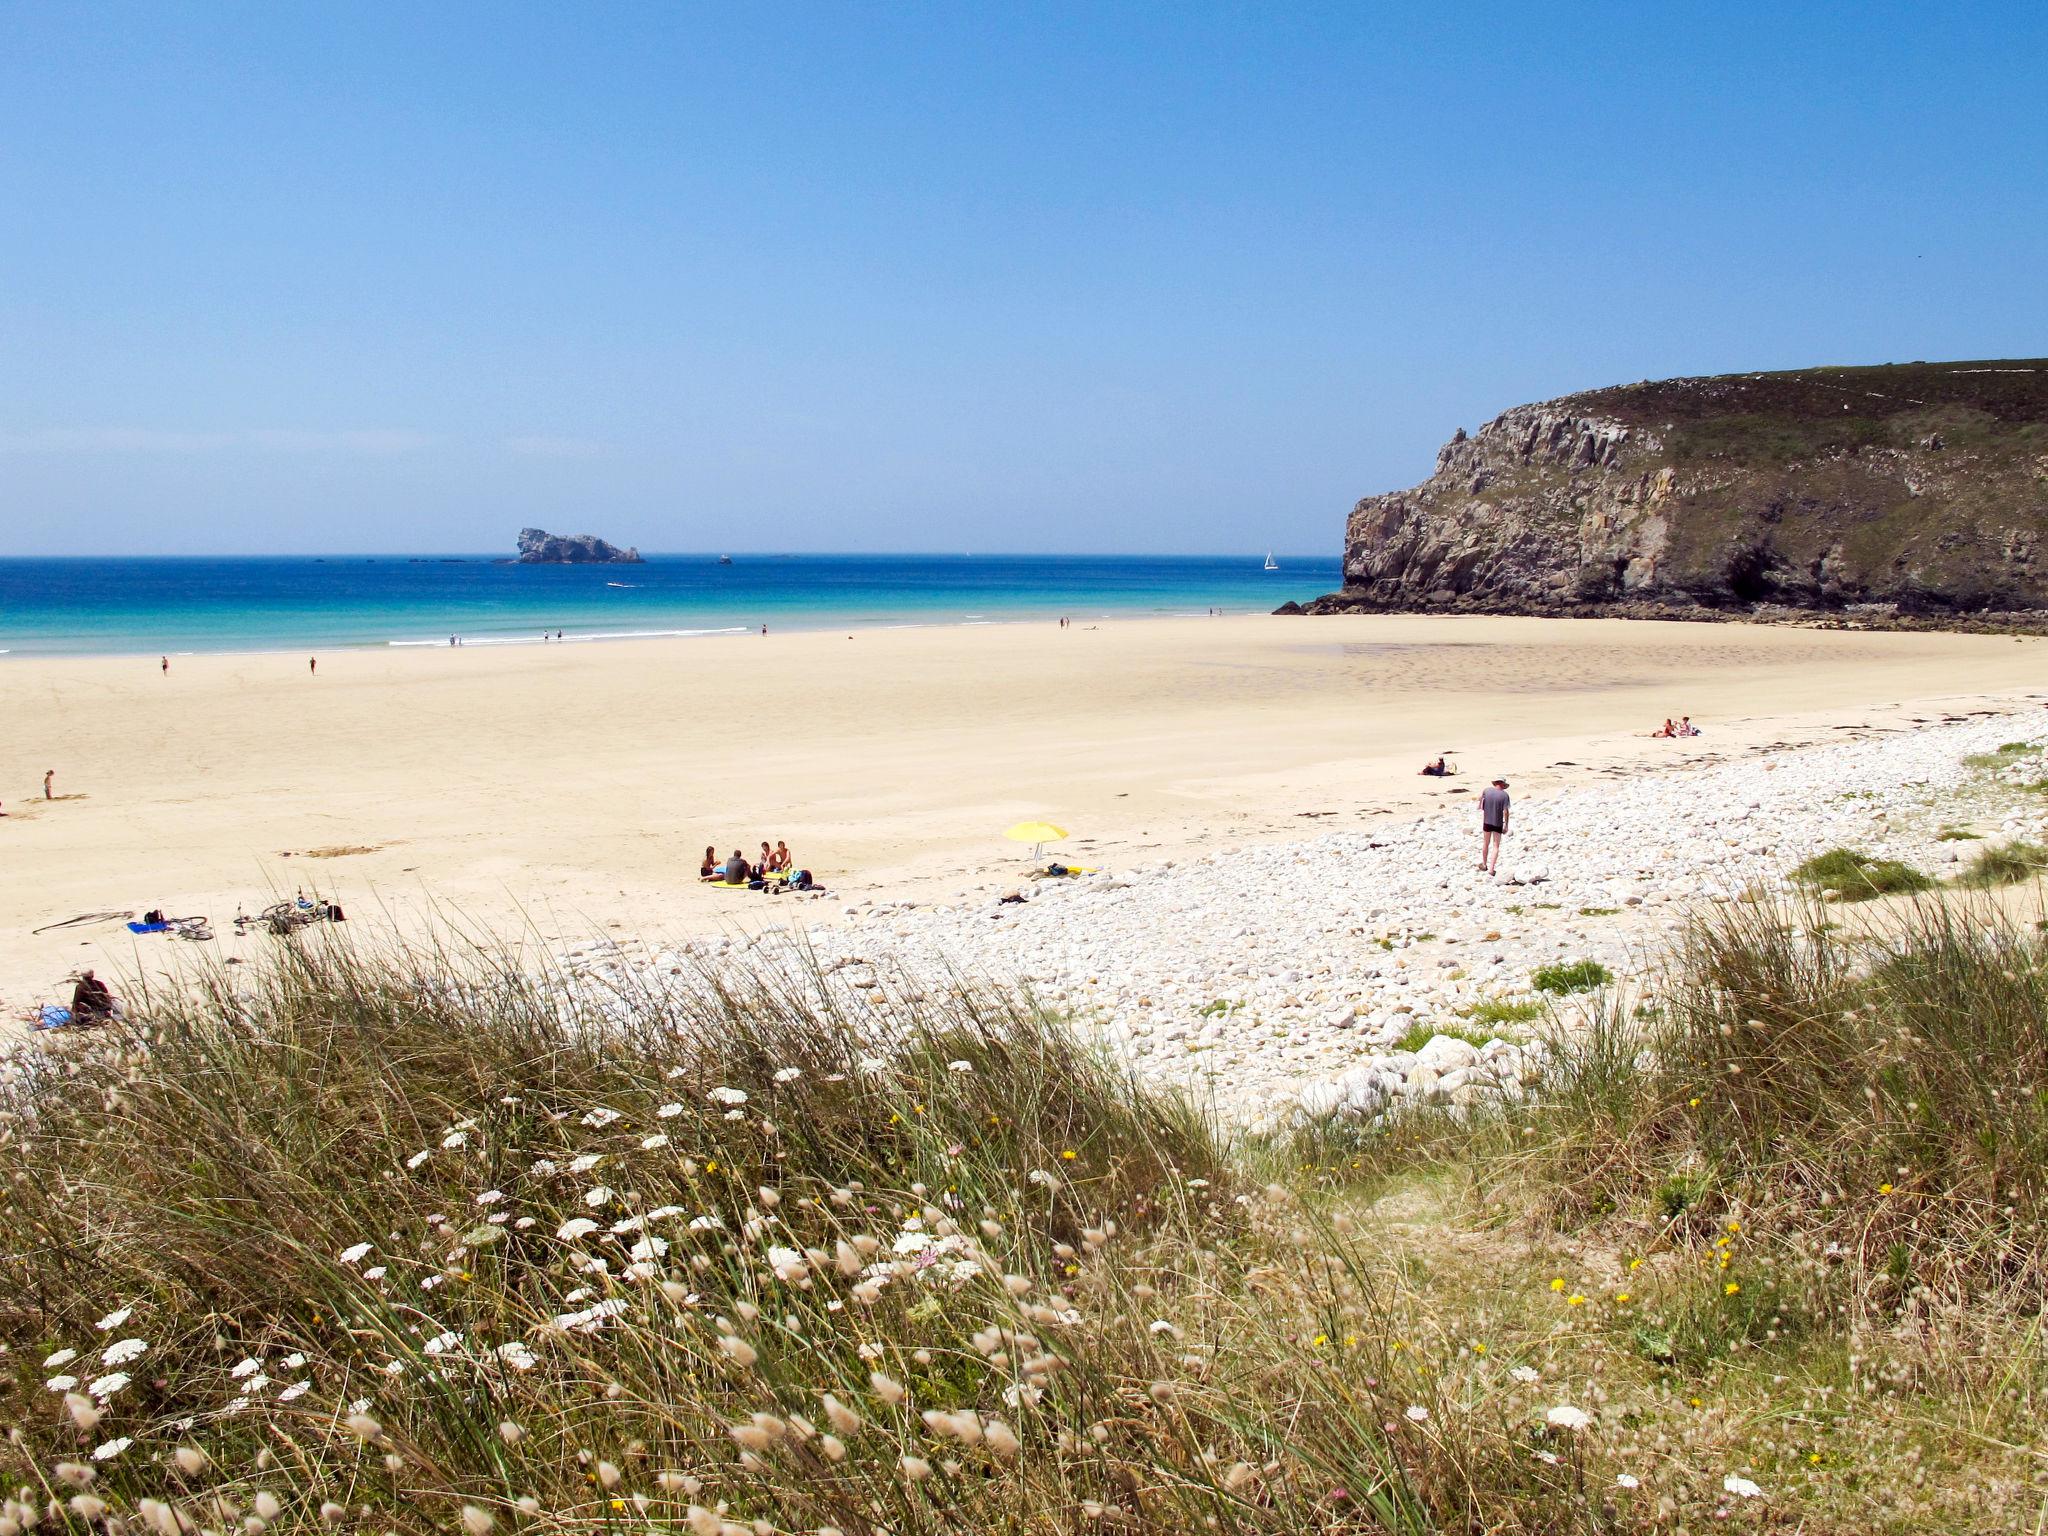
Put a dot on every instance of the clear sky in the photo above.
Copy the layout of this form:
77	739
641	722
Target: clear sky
289	277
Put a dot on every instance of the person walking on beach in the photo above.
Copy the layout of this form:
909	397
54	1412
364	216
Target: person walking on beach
167	666
47	777
1493	824
313	665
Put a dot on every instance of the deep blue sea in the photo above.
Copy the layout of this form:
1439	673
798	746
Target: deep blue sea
58	607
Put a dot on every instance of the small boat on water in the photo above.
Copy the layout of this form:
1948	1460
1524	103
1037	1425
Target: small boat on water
725	559
1271	563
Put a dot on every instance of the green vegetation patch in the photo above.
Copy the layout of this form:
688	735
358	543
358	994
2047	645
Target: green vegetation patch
1571	976
1420	1034
1505	1010
1858	876
2007	864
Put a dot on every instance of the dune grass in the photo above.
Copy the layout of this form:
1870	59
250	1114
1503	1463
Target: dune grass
1859	877
425	1243
2006	864
1494	1011
1570	976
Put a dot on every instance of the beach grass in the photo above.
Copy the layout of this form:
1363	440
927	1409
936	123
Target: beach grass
425	1242
1568	976
1855	876
2005	864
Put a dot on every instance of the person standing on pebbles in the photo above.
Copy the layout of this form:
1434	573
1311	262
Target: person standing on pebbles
1493	824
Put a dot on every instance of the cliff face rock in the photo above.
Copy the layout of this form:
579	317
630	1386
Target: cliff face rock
539	547
1921	488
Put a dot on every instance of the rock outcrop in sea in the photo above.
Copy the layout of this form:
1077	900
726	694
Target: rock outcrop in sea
1917	489
539	547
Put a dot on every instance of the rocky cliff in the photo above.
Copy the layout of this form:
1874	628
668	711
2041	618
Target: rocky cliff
1915	489
539	547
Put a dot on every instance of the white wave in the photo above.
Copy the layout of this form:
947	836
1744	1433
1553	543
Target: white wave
622	634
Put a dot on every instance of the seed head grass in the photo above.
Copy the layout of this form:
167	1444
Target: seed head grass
430	1241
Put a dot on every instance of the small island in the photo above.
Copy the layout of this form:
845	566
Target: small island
539	547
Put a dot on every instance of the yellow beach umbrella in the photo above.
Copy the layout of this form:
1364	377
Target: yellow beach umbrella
1036	833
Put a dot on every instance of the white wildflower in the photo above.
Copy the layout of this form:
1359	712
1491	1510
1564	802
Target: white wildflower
543	1167
111	1448
1564	1416
123	1350
1741	1487
295	1390
668	1111
354	1253
61	1383
600	1117
1524	1374
726	1096
442	1342
959	1066
1627	1480
455	1139
419	1157
106	1386
575	1227
1417	1414
517	1355
61	1357
600	1194
114	1319
649	1143
650	1248
490	1197
586	1162
247	1366
789	1074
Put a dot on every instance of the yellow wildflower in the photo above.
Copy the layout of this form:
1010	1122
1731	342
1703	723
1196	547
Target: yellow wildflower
1557	1284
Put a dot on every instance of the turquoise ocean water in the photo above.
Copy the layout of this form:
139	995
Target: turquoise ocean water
68	607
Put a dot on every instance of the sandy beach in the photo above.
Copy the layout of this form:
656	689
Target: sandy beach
571	791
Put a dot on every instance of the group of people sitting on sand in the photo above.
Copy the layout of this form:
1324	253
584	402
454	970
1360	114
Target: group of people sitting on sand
1685	727
774	871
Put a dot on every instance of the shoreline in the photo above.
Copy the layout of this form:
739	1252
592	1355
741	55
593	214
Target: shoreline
565	791
284	605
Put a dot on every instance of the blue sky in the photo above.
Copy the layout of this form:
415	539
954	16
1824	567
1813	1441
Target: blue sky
1184	277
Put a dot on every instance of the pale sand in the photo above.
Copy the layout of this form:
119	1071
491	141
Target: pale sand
569	789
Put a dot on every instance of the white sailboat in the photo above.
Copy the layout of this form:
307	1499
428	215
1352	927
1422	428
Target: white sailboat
1271	563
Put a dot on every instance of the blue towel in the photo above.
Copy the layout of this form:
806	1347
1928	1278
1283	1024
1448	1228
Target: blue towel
54	1017
149	927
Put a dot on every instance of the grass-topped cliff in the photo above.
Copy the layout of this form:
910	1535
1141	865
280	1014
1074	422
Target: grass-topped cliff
1919	487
